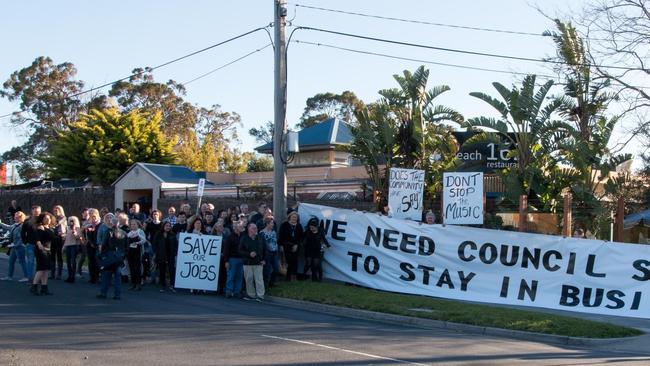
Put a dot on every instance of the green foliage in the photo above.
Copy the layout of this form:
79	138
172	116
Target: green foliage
47	106
260	164
448	310
263	134
418	119
584	139
103	144
327	105
526	122
374	145
143	93
405	130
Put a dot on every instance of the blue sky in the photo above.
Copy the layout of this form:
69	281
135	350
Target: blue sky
106	40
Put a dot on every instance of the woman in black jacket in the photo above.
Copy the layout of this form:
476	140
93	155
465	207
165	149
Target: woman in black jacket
165	246
314	243
290	239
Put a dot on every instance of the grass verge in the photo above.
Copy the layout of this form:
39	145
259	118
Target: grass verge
448	310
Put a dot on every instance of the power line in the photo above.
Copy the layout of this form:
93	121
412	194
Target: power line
227	64
423	22
544	34
445	49
418	60
169	62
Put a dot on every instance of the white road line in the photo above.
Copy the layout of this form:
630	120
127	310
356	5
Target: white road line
344	350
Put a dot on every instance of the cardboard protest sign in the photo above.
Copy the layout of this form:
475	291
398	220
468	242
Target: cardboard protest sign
405	191
197	261
462	198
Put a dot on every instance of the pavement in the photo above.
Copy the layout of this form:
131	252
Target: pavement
72	327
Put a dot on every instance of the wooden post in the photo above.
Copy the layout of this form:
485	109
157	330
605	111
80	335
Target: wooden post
484	204
523	212
442	208
568	215
620	214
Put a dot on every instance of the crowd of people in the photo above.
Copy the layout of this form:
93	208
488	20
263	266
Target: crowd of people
139	249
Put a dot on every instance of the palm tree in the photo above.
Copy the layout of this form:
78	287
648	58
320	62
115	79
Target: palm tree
417	118
584	144
374	145
526	123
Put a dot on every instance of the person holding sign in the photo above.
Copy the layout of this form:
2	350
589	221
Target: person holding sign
165	246
253	251
314	243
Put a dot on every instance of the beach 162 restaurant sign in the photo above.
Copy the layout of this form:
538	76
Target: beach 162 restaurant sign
405	190
462	198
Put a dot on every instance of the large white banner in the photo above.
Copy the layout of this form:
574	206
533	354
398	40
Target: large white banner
462	198
197	262
405	190
491	266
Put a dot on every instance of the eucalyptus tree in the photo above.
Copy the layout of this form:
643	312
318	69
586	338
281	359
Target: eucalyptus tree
48	96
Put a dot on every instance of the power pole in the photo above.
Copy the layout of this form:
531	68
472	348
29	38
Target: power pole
280	112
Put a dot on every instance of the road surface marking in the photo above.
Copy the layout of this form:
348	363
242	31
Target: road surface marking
344	350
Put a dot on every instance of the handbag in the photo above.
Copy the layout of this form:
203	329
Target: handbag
110	258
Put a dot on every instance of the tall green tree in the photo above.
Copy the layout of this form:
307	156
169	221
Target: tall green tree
583	142
330	105
374	145
526	121
46	93
418	119
263	134
142	92
103	144
260	164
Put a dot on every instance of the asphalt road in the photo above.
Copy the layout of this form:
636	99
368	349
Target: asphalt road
72	327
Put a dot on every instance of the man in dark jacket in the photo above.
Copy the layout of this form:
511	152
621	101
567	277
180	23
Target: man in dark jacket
233	260
253	252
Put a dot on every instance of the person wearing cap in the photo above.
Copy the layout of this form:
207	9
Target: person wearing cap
290	239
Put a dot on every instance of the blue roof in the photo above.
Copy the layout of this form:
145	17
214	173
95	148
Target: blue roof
166	173
173	173
325	134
